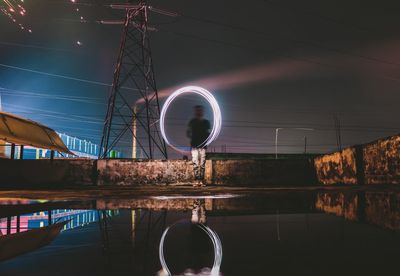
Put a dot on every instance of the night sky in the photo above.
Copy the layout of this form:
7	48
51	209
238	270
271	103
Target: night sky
270	64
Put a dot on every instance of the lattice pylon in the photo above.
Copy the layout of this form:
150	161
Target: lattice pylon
133	111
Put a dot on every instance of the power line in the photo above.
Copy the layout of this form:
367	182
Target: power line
255	49
285	38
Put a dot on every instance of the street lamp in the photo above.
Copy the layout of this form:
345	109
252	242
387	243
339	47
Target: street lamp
280	128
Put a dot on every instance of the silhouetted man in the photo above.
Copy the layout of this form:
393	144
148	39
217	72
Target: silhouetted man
198	132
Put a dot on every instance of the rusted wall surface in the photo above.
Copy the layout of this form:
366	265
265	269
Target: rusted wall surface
35	173
377	163
338	167
382	161
69	172
131	172
280	172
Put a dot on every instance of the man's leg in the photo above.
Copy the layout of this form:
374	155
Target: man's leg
202	163
196	164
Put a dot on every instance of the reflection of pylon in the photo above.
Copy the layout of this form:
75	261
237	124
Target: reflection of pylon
133	100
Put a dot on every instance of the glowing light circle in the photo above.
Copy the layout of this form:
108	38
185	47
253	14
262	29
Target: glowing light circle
216	244
217	119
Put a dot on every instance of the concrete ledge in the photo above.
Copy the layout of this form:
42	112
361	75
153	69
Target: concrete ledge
72	172
377	162
337	168
38	173
280	172
134	172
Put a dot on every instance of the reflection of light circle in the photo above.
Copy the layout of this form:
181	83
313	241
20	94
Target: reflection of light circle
217	121
216	243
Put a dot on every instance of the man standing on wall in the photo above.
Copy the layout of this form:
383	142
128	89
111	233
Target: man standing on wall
198	132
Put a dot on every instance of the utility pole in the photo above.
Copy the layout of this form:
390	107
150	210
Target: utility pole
295	128
134	126
338	132
133	104
276	141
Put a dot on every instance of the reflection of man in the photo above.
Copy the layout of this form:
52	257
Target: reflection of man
199	212
198	132
200	256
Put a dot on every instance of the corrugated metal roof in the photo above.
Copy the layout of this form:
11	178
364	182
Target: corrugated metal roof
21	131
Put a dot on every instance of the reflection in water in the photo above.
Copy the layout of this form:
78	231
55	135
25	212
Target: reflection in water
25	222
122	236
15	244
377	208
197	231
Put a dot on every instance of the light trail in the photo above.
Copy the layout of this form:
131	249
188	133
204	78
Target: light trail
215	271
217	118
247	75
13	9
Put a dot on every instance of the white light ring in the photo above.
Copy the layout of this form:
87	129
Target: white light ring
216	243
217	118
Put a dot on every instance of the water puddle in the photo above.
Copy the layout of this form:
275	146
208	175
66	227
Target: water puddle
277	233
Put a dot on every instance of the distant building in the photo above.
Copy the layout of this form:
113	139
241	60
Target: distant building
80	147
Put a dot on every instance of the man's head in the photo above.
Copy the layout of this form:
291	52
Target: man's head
198	111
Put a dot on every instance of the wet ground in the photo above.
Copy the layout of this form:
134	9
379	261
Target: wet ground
259	231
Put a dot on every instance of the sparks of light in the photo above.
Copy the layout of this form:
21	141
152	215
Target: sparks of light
215	271
217	118
12	10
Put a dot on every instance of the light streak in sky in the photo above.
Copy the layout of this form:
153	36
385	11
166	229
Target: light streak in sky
81	18
217	119
14	11
280	70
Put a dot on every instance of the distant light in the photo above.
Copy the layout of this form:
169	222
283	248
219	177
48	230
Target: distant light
79	43
30	30
73	1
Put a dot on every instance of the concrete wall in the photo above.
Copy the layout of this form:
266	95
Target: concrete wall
280	172
37	173
373	163
132	172
382	161
219	172
337	167
69	172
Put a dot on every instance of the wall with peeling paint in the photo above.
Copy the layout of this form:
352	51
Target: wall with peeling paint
337	167
69	172
382	161
136	172
377	162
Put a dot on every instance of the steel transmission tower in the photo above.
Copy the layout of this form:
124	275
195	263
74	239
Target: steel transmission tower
131	123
